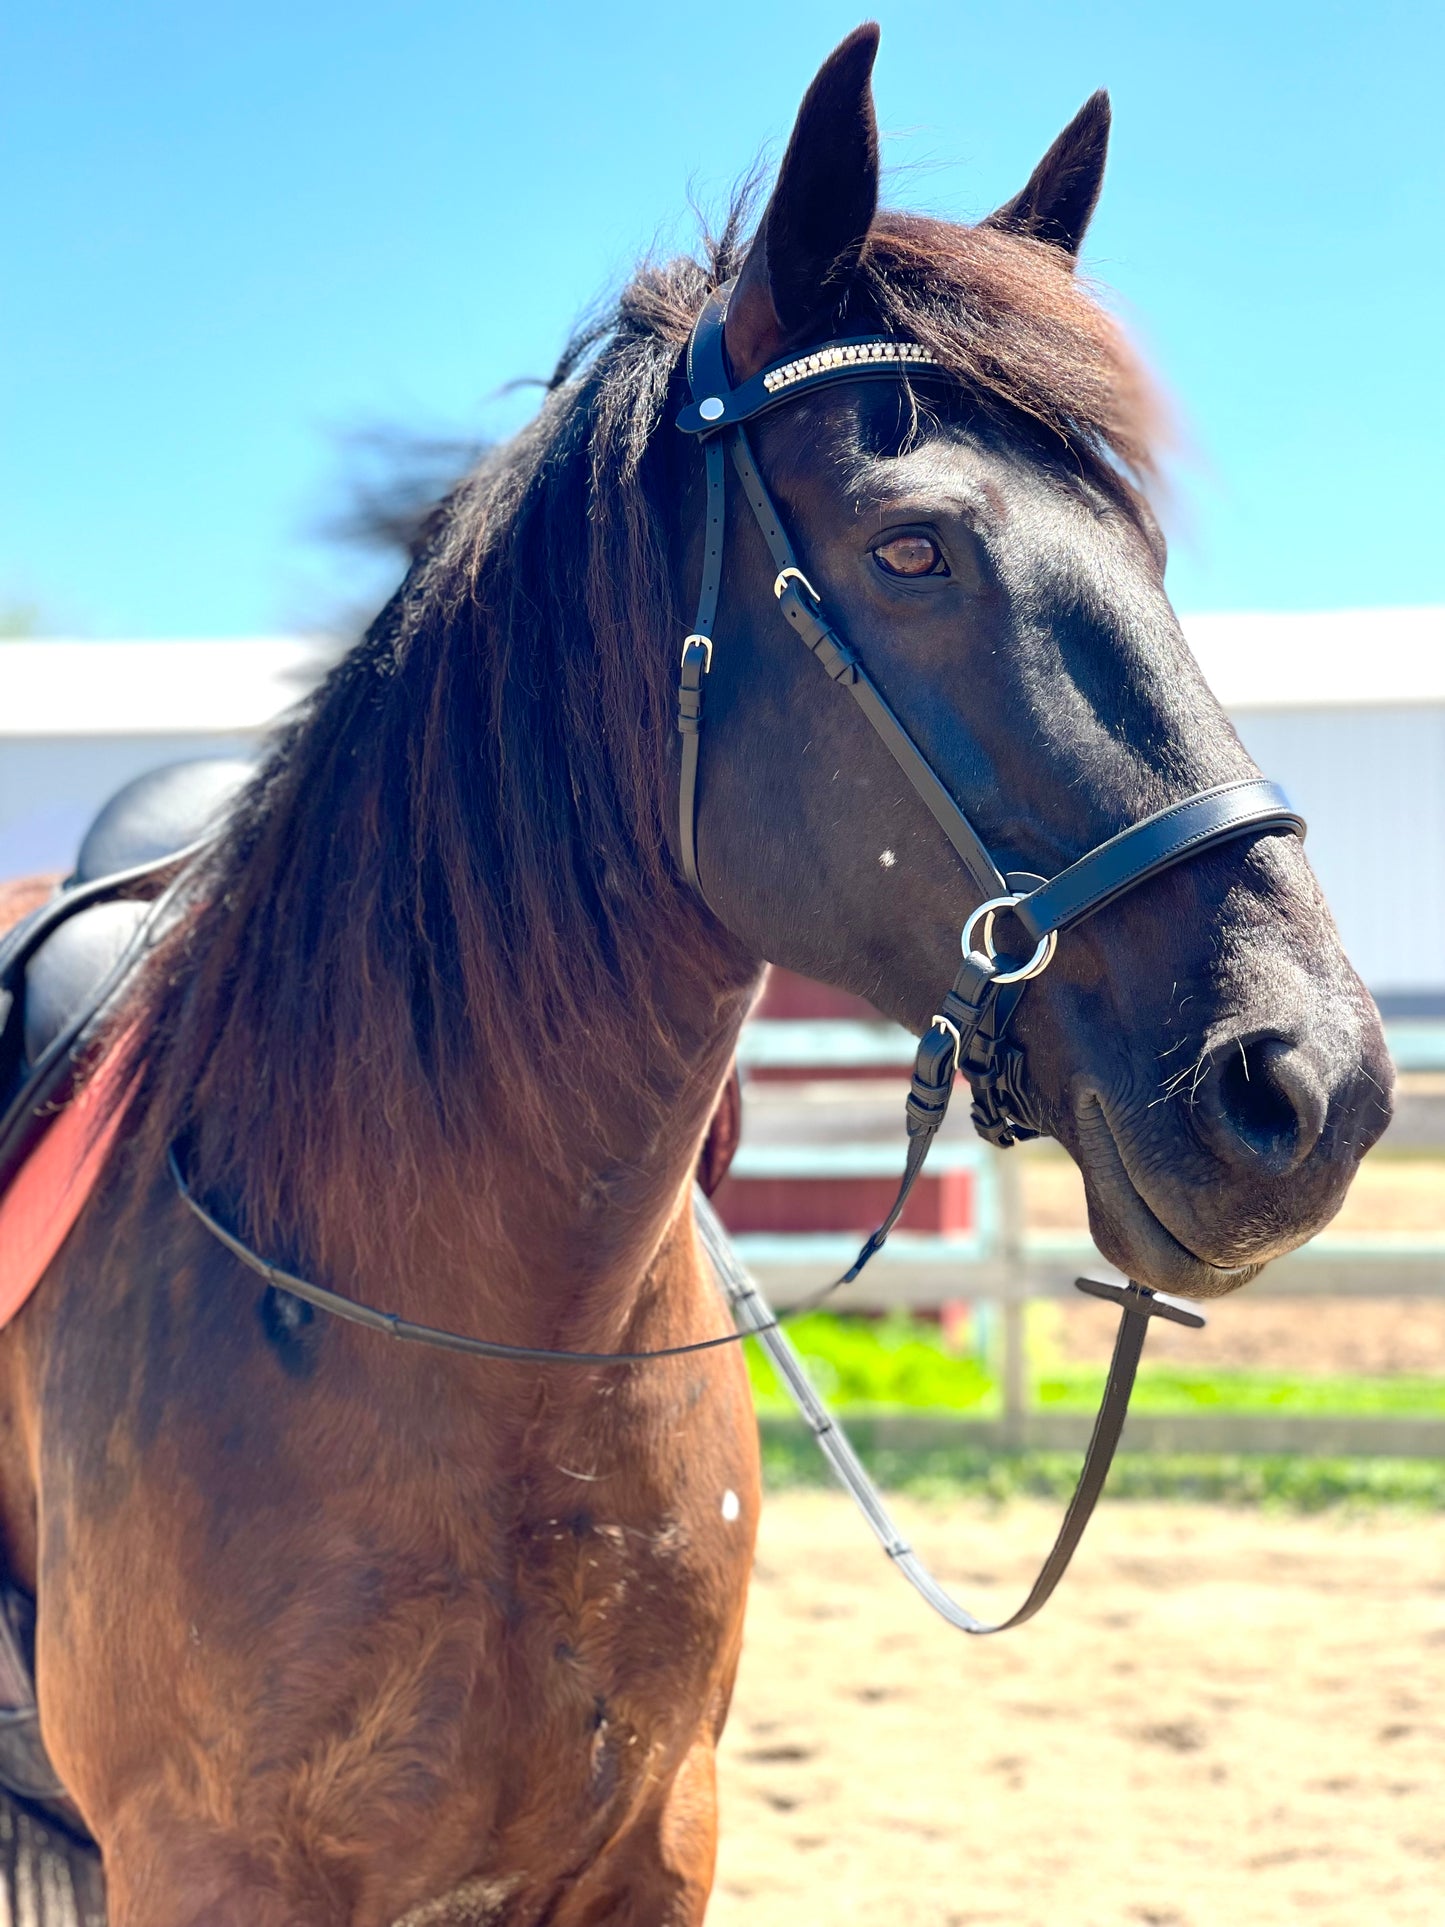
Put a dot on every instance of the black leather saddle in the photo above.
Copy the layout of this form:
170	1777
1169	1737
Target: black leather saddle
59	964
59	969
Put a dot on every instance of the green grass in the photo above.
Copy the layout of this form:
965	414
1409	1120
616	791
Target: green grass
897	1361
902	1363
868	1369
1179	1388
1288	1481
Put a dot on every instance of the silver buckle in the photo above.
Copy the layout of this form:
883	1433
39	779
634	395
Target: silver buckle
784	576
941	1022
706	642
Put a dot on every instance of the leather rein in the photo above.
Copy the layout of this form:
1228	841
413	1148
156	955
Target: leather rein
969	1033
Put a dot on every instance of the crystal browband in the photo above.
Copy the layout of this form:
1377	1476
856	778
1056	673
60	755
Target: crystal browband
845	354
716	404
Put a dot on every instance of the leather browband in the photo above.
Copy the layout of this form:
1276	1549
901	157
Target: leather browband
717	404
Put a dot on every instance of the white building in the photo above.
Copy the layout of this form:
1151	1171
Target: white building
1346	709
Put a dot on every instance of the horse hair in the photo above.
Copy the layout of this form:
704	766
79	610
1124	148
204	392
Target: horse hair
466	821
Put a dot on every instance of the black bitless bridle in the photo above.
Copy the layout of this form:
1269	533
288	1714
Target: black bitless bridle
969	1034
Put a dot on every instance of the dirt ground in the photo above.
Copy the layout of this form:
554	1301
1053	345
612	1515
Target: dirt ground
1223	1719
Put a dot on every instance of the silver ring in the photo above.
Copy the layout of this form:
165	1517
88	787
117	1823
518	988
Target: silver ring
784	576
1037	963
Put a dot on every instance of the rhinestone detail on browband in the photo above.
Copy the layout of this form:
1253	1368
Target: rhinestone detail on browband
826	359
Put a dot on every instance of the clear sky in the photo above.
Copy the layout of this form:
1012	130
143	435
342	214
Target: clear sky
231	233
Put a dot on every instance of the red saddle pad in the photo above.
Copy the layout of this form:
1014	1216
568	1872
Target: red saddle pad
50	1190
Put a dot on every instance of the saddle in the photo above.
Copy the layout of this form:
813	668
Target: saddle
61	965
61	969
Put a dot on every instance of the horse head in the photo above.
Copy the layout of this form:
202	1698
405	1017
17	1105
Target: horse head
982	536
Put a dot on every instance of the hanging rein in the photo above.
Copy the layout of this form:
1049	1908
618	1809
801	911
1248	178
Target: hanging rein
968	1035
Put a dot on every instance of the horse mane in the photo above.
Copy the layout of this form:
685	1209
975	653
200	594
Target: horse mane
458	843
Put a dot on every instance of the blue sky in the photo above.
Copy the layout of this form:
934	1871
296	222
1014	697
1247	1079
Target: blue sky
232	233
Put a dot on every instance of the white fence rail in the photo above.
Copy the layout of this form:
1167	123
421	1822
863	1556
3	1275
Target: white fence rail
1002	1262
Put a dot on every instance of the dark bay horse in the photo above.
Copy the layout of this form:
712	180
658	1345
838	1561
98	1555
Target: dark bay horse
332	1631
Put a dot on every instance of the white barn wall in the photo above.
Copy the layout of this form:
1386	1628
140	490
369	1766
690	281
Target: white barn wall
51	787
77	720
1371	783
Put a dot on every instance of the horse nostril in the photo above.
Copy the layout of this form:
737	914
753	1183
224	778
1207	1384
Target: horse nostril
1270	1100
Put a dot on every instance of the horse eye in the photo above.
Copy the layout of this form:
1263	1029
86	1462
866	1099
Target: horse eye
910	555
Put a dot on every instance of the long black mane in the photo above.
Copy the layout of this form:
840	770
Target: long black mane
467	820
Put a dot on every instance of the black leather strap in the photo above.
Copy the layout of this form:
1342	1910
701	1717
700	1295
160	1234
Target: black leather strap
803	613
391	1325
1139	1305
1157	843
708	372
697	660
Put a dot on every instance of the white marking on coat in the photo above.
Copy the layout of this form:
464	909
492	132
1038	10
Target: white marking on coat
887	859
731	1505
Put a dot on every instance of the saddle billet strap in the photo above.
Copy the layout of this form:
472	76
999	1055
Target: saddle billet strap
1137	1304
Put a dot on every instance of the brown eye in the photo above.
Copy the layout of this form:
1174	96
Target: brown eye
910	555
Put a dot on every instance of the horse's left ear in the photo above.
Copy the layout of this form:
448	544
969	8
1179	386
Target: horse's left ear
812	234
1064	188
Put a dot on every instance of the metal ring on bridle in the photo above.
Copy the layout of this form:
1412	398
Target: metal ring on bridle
1037	963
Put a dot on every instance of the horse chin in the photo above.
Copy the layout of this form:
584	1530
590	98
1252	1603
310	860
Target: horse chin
1125	1227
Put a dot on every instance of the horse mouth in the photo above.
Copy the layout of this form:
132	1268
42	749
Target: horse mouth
1125	1226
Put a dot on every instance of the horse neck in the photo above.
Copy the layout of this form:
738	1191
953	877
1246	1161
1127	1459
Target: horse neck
484	1222
578	1239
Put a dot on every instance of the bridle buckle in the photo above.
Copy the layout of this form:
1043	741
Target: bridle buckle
790	574
940	1022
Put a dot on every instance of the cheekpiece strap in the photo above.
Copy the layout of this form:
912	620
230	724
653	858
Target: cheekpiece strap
697	659
943	1050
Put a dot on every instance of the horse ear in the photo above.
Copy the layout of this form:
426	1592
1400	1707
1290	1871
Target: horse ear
812	234
1063	189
